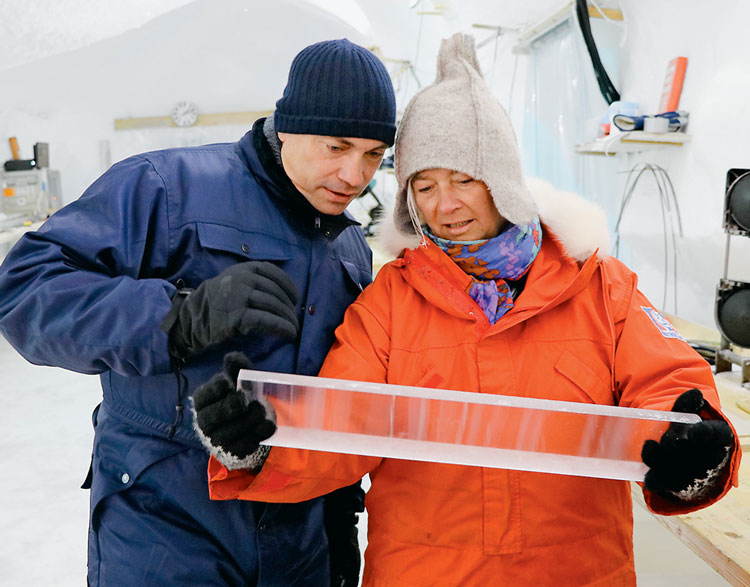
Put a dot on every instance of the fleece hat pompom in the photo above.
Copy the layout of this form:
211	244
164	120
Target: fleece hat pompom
456	123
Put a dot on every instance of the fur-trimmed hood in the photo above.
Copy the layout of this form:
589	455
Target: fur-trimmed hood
579	225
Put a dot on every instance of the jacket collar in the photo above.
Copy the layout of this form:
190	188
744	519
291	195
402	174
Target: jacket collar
579	225
553	278
262	163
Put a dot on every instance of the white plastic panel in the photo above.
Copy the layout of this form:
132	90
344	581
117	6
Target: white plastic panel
458	427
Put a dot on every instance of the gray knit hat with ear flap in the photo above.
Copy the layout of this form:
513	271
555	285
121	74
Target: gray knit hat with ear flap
456	123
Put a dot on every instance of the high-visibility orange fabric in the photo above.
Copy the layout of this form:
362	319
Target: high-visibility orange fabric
578	332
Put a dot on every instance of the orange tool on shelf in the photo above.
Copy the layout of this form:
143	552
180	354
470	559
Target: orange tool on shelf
14	147
670	95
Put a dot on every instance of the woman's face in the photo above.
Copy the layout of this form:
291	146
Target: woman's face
456	206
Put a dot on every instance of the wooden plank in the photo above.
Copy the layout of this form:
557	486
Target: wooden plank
143	122
734	400
610	13
662	138
719	534
246	117
632	141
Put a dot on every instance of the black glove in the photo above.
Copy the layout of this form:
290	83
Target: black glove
255	296
231	423
340	520
686	464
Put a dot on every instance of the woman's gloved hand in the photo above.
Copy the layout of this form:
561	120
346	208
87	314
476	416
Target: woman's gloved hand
230	422
688	461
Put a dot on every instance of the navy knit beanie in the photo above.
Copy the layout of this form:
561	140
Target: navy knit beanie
338	89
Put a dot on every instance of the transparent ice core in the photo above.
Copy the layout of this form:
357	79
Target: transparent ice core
458	427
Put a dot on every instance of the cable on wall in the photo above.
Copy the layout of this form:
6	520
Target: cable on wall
606	86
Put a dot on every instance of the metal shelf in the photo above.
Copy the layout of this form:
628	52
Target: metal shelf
629	142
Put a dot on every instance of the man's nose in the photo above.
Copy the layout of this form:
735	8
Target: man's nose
351	171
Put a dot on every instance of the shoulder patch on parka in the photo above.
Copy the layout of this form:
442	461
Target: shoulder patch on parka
662	324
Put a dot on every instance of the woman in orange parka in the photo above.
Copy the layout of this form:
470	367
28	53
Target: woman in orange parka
486	298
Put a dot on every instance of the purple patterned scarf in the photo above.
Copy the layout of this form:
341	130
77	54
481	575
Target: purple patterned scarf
490	262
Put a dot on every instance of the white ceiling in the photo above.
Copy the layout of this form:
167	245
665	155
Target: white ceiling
34	29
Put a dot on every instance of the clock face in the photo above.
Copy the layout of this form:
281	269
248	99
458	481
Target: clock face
184	114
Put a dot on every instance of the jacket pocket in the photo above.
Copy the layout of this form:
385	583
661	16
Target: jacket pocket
414	369
590	386
430	378
121	454
243	244
441	505
357	278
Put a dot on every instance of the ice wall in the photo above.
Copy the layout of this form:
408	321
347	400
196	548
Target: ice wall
715	92
222	55
563	89
227	56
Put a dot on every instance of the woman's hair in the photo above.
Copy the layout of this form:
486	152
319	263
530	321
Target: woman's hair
411	205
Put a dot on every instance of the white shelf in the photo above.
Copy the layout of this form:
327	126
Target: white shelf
629	142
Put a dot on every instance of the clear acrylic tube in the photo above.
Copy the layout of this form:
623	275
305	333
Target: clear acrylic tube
457	427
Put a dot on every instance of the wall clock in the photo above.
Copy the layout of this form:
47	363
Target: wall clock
184	113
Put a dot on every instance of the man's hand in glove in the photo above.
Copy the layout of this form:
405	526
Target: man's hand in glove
688	461
230	422
255	296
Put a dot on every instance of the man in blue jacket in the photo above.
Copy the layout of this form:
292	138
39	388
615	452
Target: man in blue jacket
167	262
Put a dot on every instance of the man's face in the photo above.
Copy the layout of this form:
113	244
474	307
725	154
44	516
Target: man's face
330	171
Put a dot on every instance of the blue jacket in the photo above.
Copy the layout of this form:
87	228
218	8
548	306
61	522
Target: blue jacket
89	290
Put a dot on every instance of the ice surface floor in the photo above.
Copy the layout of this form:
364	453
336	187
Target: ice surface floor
46	435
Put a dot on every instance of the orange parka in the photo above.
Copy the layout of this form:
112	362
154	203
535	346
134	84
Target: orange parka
580	331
